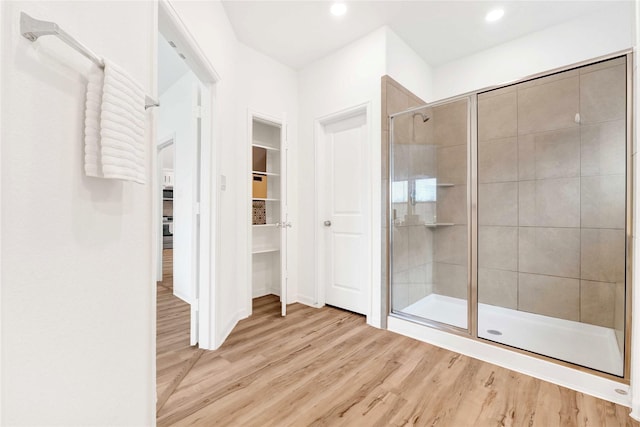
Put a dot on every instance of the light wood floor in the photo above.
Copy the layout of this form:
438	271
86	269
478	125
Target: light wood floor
326	367
167	268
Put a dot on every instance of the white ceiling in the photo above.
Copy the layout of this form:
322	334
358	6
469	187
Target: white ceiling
297	33
170	66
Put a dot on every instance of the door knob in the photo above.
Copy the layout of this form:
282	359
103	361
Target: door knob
327	223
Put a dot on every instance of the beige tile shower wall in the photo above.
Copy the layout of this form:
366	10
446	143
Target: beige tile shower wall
412	264
412	256
451	242
552	195
498	201
603	119
427	260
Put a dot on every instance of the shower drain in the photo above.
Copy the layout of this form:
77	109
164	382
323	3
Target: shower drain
493	332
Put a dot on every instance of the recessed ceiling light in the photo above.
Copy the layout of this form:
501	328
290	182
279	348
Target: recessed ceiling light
494	15
338	9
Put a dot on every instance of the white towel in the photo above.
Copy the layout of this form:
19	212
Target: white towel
93	106
114	125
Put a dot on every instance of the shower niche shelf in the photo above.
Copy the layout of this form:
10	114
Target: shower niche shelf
431	225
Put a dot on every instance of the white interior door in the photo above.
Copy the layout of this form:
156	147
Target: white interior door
181	115
195	262
347	216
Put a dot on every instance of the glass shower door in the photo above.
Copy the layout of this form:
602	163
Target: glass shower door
428	213
552	215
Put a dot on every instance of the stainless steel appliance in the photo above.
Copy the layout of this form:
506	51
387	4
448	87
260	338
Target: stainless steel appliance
167	232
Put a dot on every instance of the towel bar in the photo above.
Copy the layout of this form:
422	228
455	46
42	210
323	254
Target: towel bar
32	29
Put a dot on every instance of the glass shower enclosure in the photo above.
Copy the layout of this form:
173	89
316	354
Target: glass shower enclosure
510	214
428	212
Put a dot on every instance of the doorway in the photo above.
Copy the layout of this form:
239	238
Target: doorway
179	116
166	178
344	211
184	121
269	214
192	70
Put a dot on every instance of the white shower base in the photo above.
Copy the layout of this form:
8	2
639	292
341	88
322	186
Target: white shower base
580	343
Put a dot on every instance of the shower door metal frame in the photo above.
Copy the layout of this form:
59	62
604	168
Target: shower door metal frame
470	98
472	215
630	173
472	218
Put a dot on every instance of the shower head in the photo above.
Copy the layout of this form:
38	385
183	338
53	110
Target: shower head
424	117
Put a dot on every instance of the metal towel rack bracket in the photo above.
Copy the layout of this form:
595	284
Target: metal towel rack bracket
32	29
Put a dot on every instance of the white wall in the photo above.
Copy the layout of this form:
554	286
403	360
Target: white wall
78	312
170	66
345	79
271	89
168	156
407	68
4	47
581	39
176	117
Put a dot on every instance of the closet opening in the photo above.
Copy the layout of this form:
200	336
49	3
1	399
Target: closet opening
269	219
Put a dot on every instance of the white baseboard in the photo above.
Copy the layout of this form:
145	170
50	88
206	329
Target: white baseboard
307	301
182	297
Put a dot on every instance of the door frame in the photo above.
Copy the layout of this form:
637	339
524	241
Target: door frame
320	133
171	25
282	123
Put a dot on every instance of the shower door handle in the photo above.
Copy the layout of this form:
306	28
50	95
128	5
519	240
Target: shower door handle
327	223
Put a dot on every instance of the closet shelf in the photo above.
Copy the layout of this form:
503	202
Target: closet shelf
268	199
265	250
432	225
265	173
264	225
266	147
